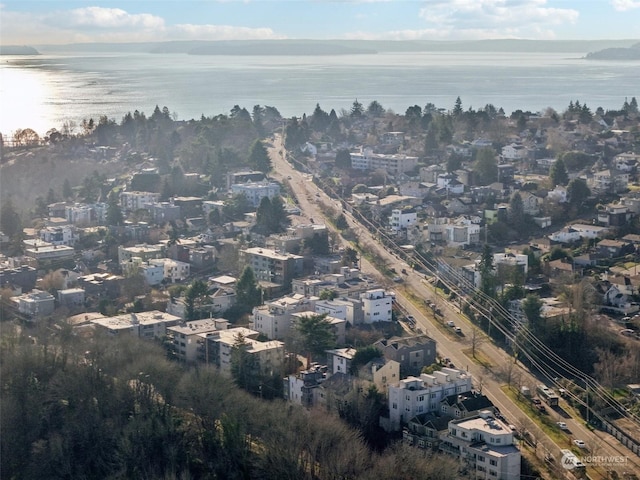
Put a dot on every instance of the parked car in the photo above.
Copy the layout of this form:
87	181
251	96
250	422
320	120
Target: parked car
579	444
561	425
458	330
411	319
451	323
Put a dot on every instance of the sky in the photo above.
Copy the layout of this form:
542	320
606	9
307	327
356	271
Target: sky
43	22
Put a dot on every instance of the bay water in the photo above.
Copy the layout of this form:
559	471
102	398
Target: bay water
42	92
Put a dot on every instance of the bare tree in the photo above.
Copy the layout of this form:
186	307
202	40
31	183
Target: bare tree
477	339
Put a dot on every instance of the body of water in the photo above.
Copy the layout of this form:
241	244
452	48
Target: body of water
43	92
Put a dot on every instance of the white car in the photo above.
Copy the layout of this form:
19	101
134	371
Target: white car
579	444
451	323
561	425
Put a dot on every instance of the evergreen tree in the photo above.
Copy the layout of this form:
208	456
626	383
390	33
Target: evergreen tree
248	292
487	274
194	296
516	212
343	158
457	109
486	166
357	110
10	223
375	109
259	157
577	191
317	334
244	366
66	189
114	213
558	173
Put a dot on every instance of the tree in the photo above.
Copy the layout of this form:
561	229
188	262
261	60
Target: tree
193	297
350	257
244	365
516	211
343	158
10	223
27	137
259	157
457	109
248	292
558	173
376	110
487	274
114	214
66	189
578	191
363	356
476	339
532	309
317	334
357	109
486	166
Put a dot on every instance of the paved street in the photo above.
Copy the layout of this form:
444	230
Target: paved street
311	202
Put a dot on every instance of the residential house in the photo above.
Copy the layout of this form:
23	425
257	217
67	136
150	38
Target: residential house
609	248
71	297
23	276
347	309
35	304
609	181
60	235
614	215
416	395
402	219
514	152
558	194
302	388
412	353
381	373
339	360
377	305
484	445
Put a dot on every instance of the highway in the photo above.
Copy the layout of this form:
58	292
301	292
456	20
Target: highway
313	201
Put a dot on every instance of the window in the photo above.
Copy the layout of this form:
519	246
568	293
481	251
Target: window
421	398
493	473
433	395
481	458
493	463
498	440
394	406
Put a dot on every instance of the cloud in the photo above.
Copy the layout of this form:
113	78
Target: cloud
624	5
220	32
98	24
106	18
494	18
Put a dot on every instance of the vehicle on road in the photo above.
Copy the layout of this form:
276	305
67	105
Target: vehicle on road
580	444
450	323
397	279
411	319
458	330
562	425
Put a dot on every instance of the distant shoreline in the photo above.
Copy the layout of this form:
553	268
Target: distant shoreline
18	50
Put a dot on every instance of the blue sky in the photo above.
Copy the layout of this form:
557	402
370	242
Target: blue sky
32	22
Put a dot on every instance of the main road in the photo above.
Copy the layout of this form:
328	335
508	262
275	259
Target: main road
313	203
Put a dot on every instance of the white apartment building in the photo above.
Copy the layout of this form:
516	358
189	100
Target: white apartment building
132	201
145	252
186	337
413	396
511	259
273	319
485	445
365	159
174	270
153	273
79	214
256	191
348	310
62	235
218	345
377	305
148	325
401	219
36	303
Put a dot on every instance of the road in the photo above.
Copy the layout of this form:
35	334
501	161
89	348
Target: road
312	201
